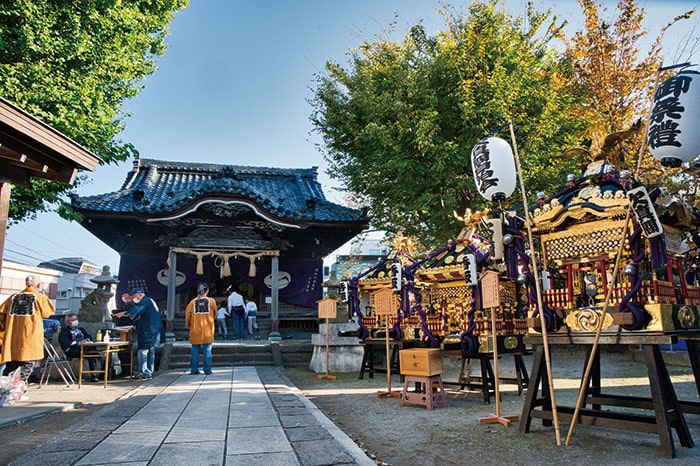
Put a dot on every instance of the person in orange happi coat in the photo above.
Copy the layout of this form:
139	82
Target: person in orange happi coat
200	316
22	319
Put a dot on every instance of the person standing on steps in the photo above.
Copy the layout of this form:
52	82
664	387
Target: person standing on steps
251	312
236	307
221	315
200	316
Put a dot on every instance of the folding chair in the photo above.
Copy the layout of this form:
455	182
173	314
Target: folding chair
56	358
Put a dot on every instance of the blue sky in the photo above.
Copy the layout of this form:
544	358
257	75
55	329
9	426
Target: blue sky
233	87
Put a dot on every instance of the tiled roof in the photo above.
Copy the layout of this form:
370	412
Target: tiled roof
65	264
157	187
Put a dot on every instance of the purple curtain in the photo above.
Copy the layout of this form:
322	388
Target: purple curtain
300	282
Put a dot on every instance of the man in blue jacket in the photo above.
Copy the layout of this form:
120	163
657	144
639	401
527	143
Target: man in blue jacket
148	330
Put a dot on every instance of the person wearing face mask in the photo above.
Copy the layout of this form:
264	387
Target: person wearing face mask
70	338
148	330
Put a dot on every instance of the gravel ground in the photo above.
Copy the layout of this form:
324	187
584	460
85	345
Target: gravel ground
412	435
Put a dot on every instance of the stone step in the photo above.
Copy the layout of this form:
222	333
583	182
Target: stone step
182	333
225	354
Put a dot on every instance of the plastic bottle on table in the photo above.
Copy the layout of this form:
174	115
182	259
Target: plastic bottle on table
106	337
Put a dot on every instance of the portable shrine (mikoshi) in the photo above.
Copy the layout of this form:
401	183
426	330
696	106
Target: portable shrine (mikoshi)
579	231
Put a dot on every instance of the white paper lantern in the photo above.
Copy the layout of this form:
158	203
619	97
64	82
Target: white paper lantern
494	168
673	136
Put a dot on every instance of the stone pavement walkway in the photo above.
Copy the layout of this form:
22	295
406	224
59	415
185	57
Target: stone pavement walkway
236	416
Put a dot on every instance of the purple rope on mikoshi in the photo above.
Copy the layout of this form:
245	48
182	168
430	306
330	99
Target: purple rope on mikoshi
398	331
657	245
519	249
427	334
510	254
403	300
470	342
409	272
657	248
564	191
353	286
417	307
630	300
353	299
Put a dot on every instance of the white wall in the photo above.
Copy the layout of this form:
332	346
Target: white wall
14	274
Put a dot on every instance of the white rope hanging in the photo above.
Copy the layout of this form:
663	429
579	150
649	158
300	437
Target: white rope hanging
221	260
252	269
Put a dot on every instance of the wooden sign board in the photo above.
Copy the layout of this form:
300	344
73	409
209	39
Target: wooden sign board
490	296
327	308
384	302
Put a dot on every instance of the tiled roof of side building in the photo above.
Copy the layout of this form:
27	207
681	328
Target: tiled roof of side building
156	186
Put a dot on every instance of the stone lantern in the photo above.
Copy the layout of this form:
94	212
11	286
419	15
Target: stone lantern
332	286
94	308
345	353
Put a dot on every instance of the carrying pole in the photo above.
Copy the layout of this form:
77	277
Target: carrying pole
543	323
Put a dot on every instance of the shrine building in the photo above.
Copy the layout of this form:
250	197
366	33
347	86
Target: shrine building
263	231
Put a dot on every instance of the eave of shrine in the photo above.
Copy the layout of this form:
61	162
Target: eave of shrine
187	204
29	148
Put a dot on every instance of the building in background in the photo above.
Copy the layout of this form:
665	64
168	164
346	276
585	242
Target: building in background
364	253
14	275
74	283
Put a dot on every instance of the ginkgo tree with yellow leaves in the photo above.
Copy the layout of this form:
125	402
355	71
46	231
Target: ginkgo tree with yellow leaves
615	80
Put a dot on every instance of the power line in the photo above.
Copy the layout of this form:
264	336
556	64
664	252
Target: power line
45	239
53	253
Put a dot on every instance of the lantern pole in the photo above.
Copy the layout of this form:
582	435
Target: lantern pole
615	273
497	418
543	324
388	391
327	309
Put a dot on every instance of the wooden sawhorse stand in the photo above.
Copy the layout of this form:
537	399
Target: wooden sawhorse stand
668	414
425	393
487	380
367	365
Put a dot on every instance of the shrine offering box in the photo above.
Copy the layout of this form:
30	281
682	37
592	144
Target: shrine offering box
424	362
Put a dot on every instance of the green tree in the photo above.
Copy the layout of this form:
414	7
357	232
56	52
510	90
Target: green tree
398	124
72	63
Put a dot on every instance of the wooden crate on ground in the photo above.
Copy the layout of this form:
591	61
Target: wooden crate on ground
424	362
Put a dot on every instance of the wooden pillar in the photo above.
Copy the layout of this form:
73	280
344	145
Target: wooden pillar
274	291
172	284
5	189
